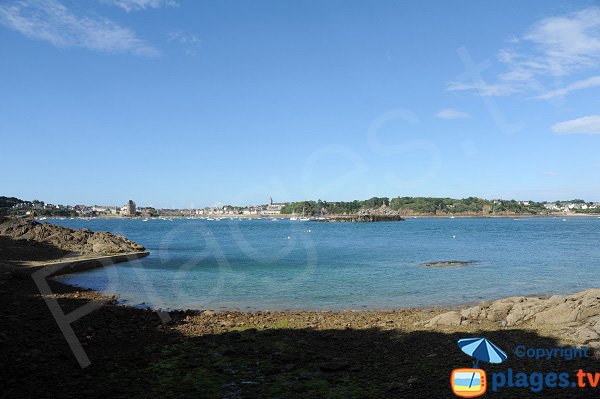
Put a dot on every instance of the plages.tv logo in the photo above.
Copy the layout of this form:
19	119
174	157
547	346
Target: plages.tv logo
472	382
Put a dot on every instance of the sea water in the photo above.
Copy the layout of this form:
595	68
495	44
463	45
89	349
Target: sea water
283	264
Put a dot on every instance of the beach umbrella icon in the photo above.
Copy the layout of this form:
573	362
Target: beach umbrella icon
482	349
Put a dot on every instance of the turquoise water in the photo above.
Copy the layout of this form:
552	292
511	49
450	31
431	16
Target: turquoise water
265	264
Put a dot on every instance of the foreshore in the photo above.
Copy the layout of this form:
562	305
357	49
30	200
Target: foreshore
134	353
401	353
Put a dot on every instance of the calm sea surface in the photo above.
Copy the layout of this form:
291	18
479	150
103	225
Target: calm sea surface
265	264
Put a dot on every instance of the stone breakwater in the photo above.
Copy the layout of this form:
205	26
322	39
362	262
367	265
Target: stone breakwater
377	215
364	218
576	317
74	242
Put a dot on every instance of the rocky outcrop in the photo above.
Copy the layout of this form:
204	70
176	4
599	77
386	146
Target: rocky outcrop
79	242
446	319
577	316
364	218
447	263
383	214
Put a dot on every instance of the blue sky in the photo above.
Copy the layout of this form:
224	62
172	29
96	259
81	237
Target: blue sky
195	103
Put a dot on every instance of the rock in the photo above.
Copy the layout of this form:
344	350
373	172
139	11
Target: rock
594	345
368	215
499	310
561	314
515	316
447	263
595	324
446	319
556	300
576	316
471	313
69	241
585	334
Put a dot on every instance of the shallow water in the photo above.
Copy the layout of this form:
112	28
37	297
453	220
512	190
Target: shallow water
265	264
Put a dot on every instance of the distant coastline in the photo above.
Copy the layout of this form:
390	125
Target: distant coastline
390	208
287	217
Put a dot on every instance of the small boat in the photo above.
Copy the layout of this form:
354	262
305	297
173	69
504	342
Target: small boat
303	218
293	218
145	220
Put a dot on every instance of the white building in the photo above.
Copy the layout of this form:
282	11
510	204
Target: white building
552	207
273	208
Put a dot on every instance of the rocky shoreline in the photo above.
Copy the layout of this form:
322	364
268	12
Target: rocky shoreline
25	241
574	317
404	353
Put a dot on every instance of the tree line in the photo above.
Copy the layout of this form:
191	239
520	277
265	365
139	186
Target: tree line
429	205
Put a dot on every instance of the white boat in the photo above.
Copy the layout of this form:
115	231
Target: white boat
293	218
302	219
145	220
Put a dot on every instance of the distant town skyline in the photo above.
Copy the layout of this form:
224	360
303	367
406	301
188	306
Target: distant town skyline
393	208
130	206
182	104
